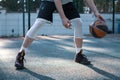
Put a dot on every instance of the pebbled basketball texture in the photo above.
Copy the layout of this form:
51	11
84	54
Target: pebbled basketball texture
98	29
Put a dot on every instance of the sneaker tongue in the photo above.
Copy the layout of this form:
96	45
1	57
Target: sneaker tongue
22	54
80	53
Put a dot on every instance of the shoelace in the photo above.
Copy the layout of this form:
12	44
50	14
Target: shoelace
22	59
84	56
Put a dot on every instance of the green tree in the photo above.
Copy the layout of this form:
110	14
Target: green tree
33	5
16	5
104	6
118	7
79	4
3	3
12	5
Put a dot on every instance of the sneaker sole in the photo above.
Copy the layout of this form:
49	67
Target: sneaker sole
88	63
19	67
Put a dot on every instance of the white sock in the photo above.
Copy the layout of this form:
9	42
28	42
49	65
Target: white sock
78	50
22	48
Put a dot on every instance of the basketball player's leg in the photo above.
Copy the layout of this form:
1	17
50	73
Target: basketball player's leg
32	33
76	22
80	58
72	14
44	16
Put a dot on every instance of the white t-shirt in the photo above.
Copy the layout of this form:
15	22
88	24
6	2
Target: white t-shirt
63	1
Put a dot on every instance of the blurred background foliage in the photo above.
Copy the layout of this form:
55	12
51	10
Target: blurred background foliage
104	6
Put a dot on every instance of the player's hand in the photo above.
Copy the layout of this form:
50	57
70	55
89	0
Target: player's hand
99	16
66	23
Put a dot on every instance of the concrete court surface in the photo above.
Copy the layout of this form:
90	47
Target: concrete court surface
52	58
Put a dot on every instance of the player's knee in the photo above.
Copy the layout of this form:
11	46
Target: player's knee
77	24
35	28
39	22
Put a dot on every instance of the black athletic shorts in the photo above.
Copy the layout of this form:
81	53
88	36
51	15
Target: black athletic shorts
47	8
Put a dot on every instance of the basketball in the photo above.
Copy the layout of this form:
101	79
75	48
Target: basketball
98	29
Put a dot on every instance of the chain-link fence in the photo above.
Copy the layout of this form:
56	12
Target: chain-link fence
10	24
12	17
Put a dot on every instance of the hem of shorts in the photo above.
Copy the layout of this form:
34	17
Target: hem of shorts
47	21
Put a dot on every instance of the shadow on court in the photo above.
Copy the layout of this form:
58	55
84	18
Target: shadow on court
52	58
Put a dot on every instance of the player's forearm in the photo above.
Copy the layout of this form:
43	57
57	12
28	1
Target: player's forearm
59	8
92	5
